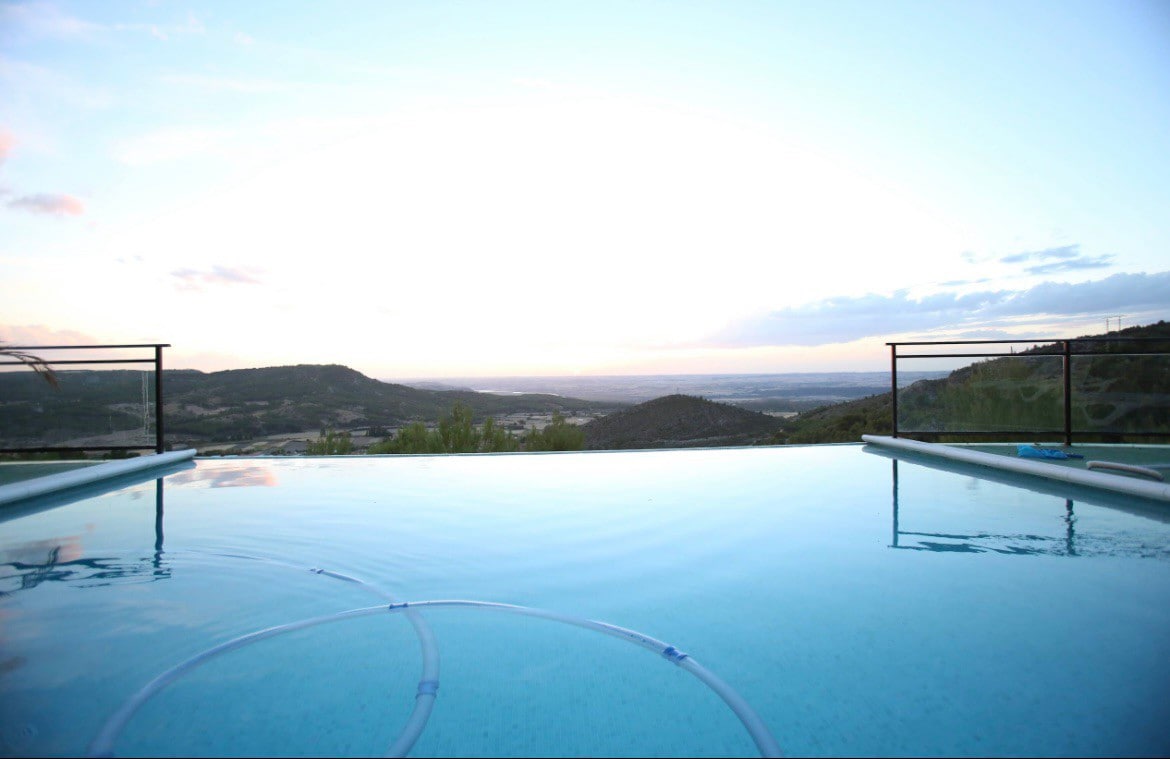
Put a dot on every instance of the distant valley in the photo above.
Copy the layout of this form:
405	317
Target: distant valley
787	392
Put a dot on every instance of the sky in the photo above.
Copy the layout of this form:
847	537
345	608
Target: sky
474	189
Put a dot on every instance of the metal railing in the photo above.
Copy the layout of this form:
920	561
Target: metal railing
1064	349
156	361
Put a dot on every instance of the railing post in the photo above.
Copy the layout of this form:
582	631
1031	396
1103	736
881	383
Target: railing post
894	387
1066	345
158	399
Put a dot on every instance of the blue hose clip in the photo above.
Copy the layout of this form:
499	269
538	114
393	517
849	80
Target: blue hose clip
673	654
427	688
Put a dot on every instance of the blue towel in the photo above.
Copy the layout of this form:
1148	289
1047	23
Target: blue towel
1032	452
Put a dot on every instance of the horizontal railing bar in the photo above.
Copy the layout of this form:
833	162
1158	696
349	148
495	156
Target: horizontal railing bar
77	448
1045	340
85	361
1076	433
1054	354
82	347
979	355
984	432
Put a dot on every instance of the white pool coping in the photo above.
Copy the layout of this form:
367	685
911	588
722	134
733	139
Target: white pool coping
1117	483
53	483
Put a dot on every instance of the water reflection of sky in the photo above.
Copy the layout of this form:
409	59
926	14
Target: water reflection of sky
225	474
784	568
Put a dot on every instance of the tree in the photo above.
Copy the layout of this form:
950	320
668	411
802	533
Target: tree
456	433
559	435
496	439
330	443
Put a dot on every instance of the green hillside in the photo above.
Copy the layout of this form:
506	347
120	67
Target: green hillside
238	404
679	421
1114	394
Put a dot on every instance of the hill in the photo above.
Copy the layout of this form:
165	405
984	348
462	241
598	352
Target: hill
679	421
239	404
1114	393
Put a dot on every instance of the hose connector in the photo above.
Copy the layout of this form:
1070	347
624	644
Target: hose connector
673	654
427	688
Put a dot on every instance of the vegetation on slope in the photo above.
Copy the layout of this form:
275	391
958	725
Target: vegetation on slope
1113	394
679	421
457	433
839	423
240	404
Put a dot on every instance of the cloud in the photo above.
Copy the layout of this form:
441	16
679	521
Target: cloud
964	282
1064	252
170	145
164	32
839	320
39	334
227	84
1054	260
31	80
1079	264
6	143
44	20
195	279
54	204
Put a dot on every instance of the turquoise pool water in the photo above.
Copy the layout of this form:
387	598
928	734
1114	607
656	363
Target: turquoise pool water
860	604
19	471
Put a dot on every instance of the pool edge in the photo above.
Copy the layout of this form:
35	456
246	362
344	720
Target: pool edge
1155	490
53	483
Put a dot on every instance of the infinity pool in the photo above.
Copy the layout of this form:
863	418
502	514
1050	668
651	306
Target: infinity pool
858	603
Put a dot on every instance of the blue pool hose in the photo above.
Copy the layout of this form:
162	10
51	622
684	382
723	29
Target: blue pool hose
103	744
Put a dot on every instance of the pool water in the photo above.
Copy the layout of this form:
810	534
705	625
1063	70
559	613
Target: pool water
861	605
20	471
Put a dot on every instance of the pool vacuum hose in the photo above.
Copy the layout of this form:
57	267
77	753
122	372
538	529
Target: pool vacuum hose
103	743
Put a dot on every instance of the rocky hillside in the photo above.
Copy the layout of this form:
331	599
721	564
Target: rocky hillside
679	421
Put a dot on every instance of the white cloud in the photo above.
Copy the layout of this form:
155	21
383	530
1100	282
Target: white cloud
838	320
227	84
52	204
35	81
171	145
39	334
199	279
43	19
7	141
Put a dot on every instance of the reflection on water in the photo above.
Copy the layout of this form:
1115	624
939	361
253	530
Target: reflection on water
27	565
1066	542
226	475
